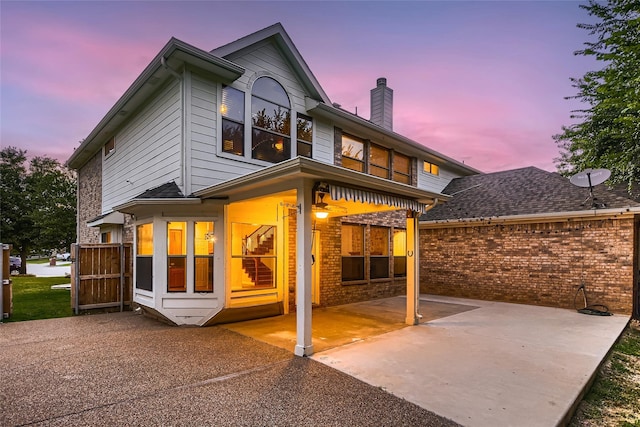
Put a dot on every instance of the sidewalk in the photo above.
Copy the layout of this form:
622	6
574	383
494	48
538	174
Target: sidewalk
62	268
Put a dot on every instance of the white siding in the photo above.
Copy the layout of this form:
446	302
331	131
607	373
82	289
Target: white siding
437	183
207	168
148	150
323	141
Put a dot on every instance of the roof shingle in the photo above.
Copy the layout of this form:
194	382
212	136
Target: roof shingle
523	191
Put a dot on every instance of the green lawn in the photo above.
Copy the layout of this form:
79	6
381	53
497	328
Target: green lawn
34	299
614	398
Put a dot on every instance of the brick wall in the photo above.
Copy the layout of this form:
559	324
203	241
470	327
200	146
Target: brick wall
89	198
332	290
539	264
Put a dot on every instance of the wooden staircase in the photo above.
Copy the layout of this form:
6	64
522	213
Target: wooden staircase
259	273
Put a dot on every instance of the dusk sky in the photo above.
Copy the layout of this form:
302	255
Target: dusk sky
483	81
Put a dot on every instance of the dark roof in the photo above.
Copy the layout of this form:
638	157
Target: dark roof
519	192
165	191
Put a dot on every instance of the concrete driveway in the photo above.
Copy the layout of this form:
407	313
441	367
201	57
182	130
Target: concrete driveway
125	369
476	363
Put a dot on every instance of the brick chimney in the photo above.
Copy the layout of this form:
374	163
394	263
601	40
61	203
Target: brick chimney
382	104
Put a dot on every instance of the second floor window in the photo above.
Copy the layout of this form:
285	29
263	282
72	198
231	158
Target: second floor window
364	156
232	110
270	121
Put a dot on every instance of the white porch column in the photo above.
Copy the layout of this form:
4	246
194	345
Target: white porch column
413	272
304	346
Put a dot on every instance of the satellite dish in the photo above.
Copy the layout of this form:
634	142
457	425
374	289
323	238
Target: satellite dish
590	177
587	179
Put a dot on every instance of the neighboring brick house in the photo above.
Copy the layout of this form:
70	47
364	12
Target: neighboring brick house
530	236
247	192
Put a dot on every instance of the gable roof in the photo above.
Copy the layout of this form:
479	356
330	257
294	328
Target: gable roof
172	56
277	33
526	191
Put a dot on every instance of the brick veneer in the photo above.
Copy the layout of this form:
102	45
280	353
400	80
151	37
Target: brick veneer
89	198
540	264
332	290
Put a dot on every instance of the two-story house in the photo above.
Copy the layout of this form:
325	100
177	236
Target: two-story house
247	193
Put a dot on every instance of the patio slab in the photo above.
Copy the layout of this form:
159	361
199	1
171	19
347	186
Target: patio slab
498	364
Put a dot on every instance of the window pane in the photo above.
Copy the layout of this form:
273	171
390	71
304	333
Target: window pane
269	116
352	164
203	241
352	240
399	266
204	274
352	268
177	274
304	128
403	179
401	163
270	147
232	137
379	156
352	148
378	171
177	238
232	105
270	90
399	253
144	273
253	256
379	241
144	239
379	266
203	238
304	149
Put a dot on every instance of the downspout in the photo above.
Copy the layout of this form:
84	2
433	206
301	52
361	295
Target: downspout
183	153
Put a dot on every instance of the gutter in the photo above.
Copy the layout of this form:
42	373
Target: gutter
628	211
334	113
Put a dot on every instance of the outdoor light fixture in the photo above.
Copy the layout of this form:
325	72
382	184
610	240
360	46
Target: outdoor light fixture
322	214
209	236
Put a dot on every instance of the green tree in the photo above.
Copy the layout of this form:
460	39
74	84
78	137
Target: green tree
608	135
37	204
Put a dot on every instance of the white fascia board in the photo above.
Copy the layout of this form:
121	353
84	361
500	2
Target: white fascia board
288	48
110	218
381	135
129	206
592	214
175	53
302	167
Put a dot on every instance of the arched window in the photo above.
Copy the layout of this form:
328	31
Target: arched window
270	121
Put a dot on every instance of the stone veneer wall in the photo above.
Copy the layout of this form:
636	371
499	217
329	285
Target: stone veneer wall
89	198
332	290
539	264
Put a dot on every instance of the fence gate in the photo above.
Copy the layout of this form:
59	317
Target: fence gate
101	276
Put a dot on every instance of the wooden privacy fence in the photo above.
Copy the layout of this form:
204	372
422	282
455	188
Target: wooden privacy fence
101	276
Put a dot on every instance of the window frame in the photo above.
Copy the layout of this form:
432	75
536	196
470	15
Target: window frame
380	258
430	168
398	257
240	122
109	147
144	260
209	257
367	164
282	143
353	255
299	140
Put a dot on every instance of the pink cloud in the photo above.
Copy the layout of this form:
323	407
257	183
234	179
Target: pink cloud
65	61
